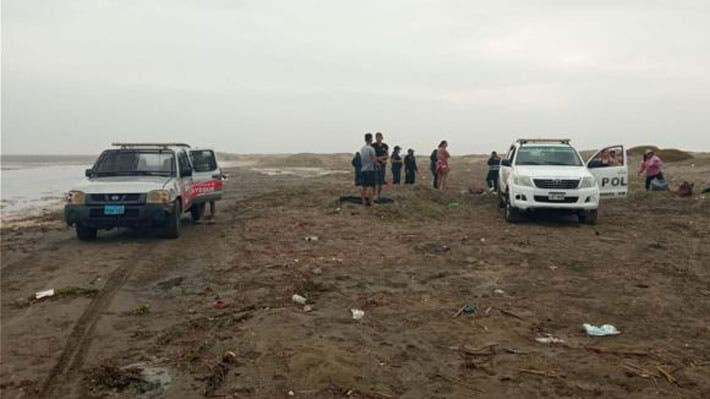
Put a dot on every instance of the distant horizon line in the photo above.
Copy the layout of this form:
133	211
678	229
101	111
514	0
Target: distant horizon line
311	153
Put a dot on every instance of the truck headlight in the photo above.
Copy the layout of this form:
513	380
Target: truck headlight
158	197
587	182
522	181
75	198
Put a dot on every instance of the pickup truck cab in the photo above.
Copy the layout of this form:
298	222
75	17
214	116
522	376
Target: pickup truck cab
133	185
550	174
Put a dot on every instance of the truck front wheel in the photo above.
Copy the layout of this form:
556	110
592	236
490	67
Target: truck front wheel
512	214
172	225
588	217
85	233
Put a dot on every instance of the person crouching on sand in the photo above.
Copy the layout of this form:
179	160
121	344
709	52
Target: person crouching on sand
368	159
652	166
442	165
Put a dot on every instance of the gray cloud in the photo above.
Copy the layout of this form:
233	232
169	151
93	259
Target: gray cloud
287	76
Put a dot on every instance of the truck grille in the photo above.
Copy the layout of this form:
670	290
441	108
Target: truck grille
566	200
561	184
99	213
115	198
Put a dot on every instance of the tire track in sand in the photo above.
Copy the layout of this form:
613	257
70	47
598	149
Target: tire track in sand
67	367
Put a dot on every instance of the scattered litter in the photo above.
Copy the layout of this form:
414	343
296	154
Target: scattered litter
511	314
357	314
311	238
499	292
44	294
229	357
220	304
440	248
483	239
299	299
454	205
308	308
550	340
291	393
467	308
602	331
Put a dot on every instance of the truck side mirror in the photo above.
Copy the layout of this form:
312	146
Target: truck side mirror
505	162
186	172
88	172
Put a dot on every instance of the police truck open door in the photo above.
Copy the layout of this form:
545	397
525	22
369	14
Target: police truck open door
611	170
207	179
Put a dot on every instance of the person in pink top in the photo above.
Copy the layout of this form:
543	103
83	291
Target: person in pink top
652	166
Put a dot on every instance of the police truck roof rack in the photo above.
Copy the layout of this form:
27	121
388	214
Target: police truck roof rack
560	141
160	145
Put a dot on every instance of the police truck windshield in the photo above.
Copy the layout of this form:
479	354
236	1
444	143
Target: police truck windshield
135	163
548	155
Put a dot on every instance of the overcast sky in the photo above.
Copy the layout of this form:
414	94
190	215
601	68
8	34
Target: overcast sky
313	76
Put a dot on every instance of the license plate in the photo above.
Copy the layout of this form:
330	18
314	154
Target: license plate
556	196
114	209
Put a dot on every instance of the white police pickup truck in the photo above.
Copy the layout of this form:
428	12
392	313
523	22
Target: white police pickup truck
550	174
142	185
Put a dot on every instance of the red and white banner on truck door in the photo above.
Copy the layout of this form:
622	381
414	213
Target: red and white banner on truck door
207	187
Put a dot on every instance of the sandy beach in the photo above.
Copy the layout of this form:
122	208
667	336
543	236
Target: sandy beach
135	316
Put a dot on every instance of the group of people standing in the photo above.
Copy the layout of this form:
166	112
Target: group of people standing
370	165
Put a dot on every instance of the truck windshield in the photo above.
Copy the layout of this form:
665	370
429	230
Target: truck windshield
135	163
548	155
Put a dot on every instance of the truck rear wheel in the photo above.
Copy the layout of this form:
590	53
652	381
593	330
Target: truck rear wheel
197	212
172	225
86	233
588	217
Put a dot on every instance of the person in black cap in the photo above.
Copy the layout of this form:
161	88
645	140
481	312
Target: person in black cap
397	163
410	167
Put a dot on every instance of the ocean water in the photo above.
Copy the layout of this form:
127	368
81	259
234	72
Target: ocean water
33	184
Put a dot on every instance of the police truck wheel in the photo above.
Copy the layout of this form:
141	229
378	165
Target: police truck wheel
588	217
512	214
172	226
85	233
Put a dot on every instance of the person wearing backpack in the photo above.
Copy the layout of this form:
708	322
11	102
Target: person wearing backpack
652	166
357	165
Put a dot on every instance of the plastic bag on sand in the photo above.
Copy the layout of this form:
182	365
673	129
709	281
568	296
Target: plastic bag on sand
357	314
602	331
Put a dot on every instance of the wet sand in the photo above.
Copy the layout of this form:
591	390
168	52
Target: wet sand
131	301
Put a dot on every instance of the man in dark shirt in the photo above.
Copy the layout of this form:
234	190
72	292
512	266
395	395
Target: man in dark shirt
396	165
382	153
410	167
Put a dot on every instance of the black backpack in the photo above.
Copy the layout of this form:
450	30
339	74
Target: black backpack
434	155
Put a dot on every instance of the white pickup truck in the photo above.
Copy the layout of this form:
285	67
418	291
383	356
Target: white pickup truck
143	185
550	174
